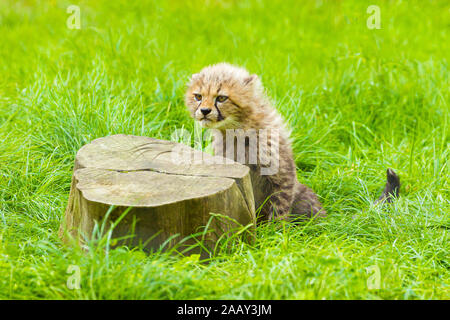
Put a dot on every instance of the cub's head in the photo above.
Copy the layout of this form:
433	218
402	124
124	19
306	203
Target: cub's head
223	96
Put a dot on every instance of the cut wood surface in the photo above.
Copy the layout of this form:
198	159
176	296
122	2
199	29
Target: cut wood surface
171	189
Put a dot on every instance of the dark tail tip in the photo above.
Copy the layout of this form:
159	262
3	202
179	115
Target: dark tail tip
392	188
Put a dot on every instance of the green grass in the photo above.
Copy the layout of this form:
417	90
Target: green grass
358	101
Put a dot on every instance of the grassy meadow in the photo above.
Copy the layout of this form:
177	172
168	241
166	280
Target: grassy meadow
358	101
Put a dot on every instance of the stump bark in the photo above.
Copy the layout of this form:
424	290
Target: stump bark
171	190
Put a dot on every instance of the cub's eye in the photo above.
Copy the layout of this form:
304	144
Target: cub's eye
221	98
198	97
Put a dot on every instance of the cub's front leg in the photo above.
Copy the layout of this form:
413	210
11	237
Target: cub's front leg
279	205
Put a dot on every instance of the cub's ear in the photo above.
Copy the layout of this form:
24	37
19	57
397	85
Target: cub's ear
251	79
194	77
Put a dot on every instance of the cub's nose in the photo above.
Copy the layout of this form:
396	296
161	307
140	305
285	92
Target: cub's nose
205	111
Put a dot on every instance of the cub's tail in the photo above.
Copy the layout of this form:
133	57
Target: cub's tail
392	188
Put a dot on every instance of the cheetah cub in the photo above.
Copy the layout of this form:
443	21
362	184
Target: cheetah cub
224	97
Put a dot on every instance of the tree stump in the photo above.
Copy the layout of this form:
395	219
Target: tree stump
171	190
